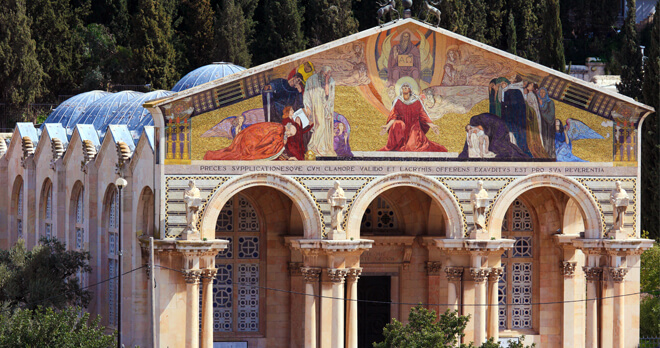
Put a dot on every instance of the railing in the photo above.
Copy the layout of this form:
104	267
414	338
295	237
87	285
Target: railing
649	342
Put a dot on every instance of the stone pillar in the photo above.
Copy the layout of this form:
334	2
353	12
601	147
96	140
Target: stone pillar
479	276
618	275
192	312
311	276
352	276
568	322
337	276
454	276
593	275
296	298
433	269
207	306
493	299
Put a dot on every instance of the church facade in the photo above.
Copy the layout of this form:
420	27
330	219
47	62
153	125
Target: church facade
307	201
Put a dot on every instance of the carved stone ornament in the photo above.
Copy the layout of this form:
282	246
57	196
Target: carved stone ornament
336	275
337	201
3	146
28	150
123	156
495	274
454	274
620	201
58	150
479	275
311	275
618	274
89	153
209	273
295	269
592	273
353	274
192	276
433	268
568	268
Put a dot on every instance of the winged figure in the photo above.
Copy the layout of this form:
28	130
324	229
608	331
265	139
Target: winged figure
565	135
232	125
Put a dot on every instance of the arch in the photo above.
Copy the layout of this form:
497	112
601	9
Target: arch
587	204
45	212
438	192
573	220
145	212
302	199
77	193
17	198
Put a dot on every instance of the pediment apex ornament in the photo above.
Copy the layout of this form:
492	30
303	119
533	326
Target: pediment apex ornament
28	150
568	268
454	274
479	275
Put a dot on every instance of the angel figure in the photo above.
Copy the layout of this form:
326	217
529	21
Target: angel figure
564	137
231	126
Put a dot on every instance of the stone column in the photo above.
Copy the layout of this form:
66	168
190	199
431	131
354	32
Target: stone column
207	306
311	276
618	275
493	308
479	276
568	322
337	276
296	298
433	269
352	276
192	312
593	275
454	276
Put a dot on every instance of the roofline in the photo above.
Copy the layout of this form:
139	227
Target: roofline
330	45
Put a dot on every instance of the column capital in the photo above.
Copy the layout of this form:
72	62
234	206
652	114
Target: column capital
568	268
433	268
479	275
295	269
495	274
209	273
192	276
454	274
618	273
353	274
311	274
593	273
336	275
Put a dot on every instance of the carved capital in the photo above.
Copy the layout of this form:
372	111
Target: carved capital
310	274
479	275
592	273
618	273
209	273
433	268
295	269
336	275
454	274
353	274
192	276
568	268
495	274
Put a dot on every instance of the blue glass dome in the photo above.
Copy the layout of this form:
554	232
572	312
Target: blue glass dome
68	112
134	116
206	74
103	110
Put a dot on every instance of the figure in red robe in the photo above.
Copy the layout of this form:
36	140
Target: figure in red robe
260	141
295	145
408	124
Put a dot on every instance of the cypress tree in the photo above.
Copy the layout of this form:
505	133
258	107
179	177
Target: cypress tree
453	16
20	72
651	86
511	35
196	32
153	50
552	49
328	20
281	25
631	57
495	21
231	35
525	16
476	17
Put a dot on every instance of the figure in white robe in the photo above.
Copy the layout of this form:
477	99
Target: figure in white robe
319	102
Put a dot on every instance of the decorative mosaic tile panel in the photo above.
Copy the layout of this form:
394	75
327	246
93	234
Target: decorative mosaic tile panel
223	304
379	216
49	204
112	243
501	299
227	253
521	280
19	209
248	221
248	297
522	247
79	209
79	238
522	219
225	218
248	247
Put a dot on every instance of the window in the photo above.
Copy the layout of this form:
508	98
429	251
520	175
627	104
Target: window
80	232
113	255
515	285
48	211
237	297
379	218
19	213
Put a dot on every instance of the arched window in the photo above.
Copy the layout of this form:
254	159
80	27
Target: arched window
113	255
80	231
48	209
19	212
515	285
237	297
379	218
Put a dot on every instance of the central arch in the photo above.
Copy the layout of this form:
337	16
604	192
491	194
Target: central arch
438	192
593	221
302	199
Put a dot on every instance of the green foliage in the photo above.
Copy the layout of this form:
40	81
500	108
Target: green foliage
588	27
651	87
650	303
46	327
232	35
649	317
152	45
511	44
453	16
630	57
650	272
552	49
282	20
525	14
495	20
196	32
476	17
43	276
328	20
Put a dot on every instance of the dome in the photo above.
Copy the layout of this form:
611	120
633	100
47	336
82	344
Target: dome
69	111
206	74
134	116
103	110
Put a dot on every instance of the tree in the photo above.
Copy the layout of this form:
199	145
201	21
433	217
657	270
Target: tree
476	17
281	23
511	35
424	331
232	35
196	30
21	75
630	57
527	29
43	276
46	327
650	283
495	20
328	20
552	49
453	16
152	45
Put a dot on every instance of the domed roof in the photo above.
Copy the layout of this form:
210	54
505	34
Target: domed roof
205	74
69	111
103	110
134	116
